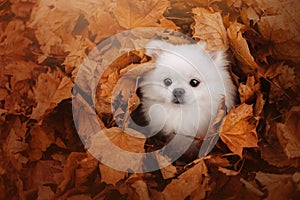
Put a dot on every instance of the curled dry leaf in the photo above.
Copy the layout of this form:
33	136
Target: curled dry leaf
288	133
237	132
240	48
209	28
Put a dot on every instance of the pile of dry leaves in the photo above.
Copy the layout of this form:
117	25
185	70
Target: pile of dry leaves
45	43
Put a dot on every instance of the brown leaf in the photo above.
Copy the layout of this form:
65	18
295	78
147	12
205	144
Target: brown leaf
63	91
240	47
44	172
272	151
248	14
279	186
133	14
188	182
282	78
259	104
45	192
209	28
280	27
69	170
237	132
19	70
288	133
84	169
13	37
57	89
40	138
44	91
15	144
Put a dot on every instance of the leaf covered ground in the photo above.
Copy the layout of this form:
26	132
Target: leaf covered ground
43	44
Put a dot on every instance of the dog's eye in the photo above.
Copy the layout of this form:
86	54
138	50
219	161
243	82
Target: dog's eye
168	82
194	83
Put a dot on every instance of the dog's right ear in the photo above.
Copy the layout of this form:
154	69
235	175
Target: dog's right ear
155	48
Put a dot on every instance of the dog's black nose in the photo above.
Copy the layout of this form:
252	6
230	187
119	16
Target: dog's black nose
178	92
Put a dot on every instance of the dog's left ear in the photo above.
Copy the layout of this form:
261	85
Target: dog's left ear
156	47
219	58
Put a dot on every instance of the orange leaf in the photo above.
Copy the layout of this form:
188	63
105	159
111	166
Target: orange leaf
237	132
133	14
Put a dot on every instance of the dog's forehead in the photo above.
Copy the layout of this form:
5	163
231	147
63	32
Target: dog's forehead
180	65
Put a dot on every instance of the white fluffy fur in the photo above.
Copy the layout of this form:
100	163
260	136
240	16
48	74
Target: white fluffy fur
181	63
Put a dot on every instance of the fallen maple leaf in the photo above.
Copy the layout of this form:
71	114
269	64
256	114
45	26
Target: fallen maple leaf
133	14
209	27
237	132
194	179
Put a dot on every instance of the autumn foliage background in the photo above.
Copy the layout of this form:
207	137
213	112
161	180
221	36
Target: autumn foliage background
42	46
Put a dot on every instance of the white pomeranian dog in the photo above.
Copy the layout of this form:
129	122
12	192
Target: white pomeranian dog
180	96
